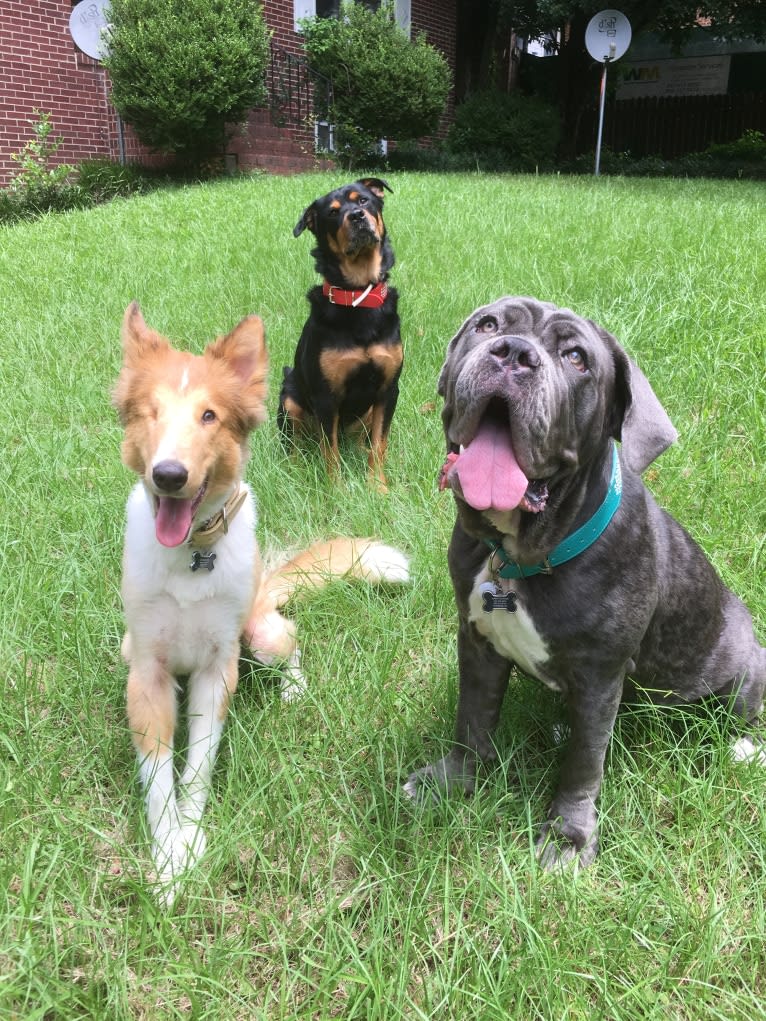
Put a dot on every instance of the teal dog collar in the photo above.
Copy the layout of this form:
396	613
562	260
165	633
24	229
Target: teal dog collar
574	544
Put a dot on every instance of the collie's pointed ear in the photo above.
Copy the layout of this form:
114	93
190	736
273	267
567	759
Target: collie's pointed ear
244	352
137	339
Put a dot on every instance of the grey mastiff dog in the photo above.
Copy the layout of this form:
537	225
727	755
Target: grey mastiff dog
561	560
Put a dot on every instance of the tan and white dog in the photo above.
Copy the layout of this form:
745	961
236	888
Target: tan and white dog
193	583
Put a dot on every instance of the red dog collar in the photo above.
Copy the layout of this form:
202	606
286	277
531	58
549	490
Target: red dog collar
370	297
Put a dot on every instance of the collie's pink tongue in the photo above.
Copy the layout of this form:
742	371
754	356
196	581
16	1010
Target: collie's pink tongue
173	521
488	471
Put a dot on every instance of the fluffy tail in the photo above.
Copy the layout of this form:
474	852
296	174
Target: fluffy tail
271	637
363	559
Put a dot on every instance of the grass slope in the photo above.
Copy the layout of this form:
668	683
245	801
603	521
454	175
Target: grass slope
323	894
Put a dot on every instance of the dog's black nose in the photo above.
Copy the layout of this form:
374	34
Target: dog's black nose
516	353
170	476
356	214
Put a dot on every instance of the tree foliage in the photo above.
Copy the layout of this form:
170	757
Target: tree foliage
182	70
513	131
564	22
672	19
384	84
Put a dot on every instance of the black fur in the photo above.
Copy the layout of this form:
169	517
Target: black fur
348	360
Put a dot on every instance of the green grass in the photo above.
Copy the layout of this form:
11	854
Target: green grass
323	893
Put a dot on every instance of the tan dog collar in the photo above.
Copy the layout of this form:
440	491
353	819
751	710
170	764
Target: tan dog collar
210	531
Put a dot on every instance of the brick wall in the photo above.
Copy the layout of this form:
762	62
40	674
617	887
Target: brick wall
41	68
280	148
438	20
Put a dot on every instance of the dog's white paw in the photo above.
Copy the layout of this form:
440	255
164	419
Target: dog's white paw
744	749
174	854
293	685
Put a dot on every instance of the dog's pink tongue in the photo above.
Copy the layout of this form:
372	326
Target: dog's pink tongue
489	473
173	521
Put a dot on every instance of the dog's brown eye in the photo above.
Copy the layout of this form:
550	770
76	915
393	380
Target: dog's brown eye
576	356
487	324
208	416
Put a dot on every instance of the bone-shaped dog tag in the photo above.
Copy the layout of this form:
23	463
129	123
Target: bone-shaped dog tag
202	561
494	598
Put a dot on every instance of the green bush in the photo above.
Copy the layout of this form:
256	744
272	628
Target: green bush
182	70
40	186
102	180
384	84
749	148
521	132
733	160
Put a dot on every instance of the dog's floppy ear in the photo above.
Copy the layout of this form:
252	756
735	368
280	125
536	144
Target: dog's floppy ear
244	352
444	388
307	220
444	374
641	422
376	185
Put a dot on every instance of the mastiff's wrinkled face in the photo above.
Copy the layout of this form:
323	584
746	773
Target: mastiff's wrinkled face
531	393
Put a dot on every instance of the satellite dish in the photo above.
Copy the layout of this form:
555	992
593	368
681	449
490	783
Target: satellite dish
607	36
87	23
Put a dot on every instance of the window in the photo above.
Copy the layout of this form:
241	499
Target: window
330	9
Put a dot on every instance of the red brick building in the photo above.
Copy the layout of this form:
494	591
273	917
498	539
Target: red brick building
42	69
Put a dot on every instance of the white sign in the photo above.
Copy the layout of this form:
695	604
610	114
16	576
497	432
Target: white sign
607	36
682	76
86	25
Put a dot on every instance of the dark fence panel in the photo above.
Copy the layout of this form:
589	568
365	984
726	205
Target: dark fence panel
673	126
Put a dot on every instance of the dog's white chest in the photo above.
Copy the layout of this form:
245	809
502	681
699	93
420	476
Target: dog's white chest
187	615
511	631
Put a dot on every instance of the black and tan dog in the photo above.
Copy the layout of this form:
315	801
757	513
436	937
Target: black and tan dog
349	356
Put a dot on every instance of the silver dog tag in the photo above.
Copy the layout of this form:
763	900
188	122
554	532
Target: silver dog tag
202	561
494	598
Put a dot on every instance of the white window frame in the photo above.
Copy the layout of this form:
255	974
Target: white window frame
308	8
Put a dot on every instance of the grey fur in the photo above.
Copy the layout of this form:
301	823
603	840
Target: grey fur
641	608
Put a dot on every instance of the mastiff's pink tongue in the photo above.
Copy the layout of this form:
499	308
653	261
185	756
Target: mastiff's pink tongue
173	521
488	471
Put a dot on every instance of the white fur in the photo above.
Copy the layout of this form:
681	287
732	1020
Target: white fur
190	609
191	621
512	634
744	749
384	563
188	623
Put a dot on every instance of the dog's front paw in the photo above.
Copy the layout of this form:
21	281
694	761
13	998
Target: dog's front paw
568	840
750	748
293	684
174	854
432	782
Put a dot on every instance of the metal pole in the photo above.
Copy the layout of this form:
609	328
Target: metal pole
601	116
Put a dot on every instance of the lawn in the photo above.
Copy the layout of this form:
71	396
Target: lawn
324	893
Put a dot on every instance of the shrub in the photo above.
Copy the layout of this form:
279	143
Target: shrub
182	70
518	131
750	147
39	186
384	84
102	180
